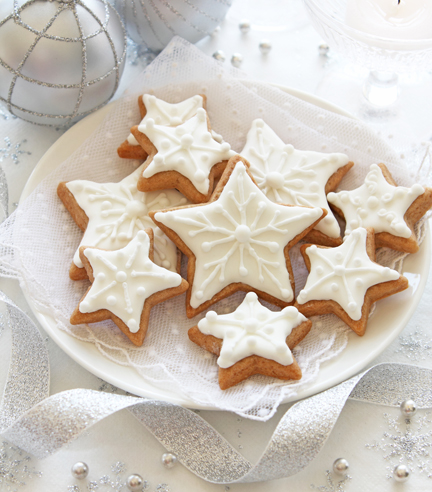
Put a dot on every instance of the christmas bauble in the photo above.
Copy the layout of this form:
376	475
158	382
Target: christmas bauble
155	23
60	60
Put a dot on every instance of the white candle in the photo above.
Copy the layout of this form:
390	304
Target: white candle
409	19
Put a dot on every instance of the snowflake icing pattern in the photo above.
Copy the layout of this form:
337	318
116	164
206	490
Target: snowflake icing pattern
331	485
12	151
415	346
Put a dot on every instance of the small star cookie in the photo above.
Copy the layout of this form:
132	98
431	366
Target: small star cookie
185	157
252	340
111	214
163	113
346	281
239	240
297	177
391	210
126	284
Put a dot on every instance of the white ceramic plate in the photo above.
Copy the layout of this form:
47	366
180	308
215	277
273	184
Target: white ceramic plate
389	319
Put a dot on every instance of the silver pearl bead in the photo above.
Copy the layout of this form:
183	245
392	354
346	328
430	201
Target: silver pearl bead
219	55
265	46
244	26
408	408
340	466
135	482
236	60
323	49
401	473
169	460
80	470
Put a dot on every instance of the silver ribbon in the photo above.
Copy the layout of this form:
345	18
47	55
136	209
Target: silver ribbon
42	424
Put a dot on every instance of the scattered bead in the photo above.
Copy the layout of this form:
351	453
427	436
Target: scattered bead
244	26
340	466
219	55
401	473
265	46
323	49
80	470
236	60
169	460
408	408
135	482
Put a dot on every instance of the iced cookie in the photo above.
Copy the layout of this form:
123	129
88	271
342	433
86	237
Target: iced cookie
252	340
390	210
111	214
297	177
126	284
163	113
346	281
185	157
239	241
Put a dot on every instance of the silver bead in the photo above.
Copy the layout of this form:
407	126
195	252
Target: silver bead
80	470
408	408
219	55
340	466
265	46
323	49
401	473
244	26
236	60
135	482
169	460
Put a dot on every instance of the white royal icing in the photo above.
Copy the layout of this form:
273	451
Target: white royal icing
167	114
240	237
344	274
377	204
117	211
252	329
124	280
288	175
188	149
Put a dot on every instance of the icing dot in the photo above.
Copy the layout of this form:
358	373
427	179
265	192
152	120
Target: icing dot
250	325
334	287
100	276
206	247
242	233
218	208
120	255
303	296
289	149
357	262
352	306
372	202
181	161
180	130
358	282
142	235
158	159
251	296
274	247
201	114
132	325
291	312
387	197
298	183
259	123
165	144
252	342
111	300
121	276
269	330
225	147
243	271
200	176
274	180
320	270
211	315
206	138
186	140
106	204
285	293
149	124
204	158
400	228
141	291
176	121
390	217
344	197
314	186
135	208
84	306
166	264
354	224
417	189
363	213
339	256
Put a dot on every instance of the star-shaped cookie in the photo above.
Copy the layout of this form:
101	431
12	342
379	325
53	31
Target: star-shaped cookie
297	177
346	281
163	113
126	284
390	210
252	340
111	214
239	240
186	157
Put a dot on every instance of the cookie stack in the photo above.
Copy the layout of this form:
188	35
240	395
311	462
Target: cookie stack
235	216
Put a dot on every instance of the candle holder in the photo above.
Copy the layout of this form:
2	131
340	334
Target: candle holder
373	84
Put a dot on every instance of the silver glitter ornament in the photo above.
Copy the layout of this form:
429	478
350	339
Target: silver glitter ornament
265	46
340	466
408	408
401	473
169	460
156	23
244	26
135	482
236	60
323	49
60	61
80	470
219	55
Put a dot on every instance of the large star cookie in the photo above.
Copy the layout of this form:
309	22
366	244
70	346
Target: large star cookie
296	177
390	210
346	281
163	113
186	157
252	340
111	214
126	284
237	241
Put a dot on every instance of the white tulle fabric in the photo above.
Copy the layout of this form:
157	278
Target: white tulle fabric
38	241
